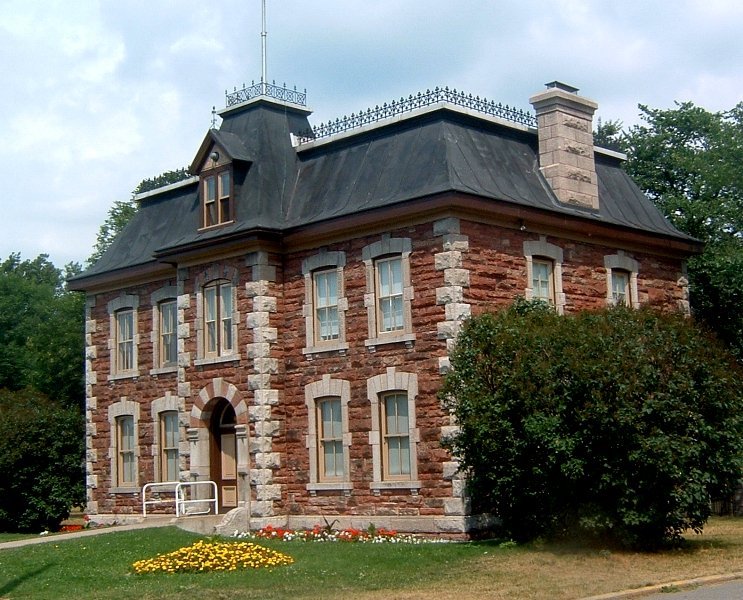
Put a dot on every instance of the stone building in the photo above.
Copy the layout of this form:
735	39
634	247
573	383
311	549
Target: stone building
279	323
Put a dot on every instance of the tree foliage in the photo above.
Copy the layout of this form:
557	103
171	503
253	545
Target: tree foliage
608	134
688	161
122	211
41	330
41	458
621	423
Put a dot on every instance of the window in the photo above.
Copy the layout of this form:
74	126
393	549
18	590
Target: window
620	287
389	291
168	333
217	193
169	437
125	455
218	319
621	279
395	436
123	450
542	281
544	272
124	340
389	294
330	436
326	305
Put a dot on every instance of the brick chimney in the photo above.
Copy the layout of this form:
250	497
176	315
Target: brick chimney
565	130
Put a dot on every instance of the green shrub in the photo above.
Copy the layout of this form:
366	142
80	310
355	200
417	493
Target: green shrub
41	461
621	423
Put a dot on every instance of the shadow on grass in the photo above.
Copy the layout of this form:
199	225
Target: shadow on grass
14	583
590	545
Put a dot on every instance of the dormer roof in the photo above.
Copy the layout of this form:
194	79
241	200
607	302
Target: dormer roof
228	144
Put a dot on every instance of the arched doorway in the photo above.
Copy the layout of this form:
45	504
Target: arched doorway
223	453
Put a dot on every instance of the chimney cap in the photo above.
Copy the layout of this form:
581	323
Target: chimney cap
562	86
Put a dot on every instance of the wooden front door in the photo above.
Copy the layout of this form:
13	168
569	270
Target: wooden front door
223	454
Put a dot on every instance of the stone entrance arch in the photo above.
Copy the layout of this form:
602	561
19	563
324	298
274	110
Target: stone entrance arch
230	448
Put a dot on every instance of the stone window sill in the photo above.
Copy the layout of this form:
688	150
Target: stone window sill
391	338
124	490
340	347
215	360
164	370
340	486
377	486
123	375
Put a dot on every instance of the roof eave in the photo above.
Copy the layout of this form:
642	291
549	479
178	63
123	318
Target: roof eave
507	213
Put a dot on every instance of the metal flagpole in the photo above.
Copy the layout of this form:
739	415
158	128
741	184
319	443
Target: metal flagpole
264	81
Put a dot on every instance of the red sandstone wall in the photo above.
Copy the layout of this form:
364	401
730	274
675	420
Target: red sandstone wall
497	274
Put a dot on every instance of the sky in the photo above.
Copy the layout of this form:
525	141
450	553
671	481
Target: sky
99	95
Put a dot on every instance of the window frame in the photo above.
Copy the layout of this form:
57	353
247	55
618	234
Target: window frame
333	439
163	362
540	251
380	387
124	410
538	261
401	435
223	319
124	351
316	392
325	263
374	255
624	297
165	450
395	315
124	304
326	275
620	262
222	200
125	453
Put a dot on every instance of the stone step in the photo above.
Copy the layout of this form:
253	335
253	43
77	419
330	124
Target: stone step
202	524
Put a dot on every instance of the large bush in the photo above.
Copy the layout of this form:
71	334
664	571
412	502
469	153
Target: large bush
622	422
41	461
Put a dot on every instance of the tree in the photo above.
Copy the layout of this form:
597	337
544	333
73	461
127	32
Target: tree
688	161
608	134
41	458
621	423
41	330
122	211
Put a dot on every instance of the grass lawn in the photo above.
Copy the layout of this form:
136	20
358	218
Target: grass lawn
99	567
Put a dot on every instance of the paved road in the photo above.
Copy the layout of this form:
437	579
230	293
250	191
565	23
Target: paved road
730	590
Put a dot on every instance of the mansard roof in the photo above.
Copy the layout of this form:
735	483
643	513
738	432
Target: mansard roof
289	180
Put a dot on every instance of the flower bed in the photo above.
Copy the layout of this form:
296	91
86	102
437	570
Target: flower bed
328	534
213	556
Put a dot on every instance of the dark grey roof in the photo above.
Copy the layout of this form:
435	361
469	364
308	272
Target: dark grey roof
438	151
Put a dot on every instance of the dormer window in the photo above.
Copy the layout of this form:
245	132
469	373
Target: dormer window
217	198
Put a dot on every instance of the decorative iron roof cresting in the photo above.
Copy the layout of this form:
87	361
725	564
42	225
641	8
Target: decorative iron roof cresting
413	102
266	89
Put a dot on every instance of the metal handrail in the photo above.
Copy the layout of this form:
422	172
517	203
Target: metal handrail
180	499
148	486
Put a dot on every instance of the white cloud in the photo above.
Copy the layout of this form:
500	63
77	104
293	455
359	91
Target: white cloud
98	95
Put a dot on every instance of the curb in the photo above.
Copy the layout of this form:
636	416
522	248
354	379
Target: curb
661	587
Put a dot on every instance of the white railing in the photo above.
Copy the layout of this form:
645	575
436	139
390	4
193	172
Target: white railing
180	499
158	484
178	489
